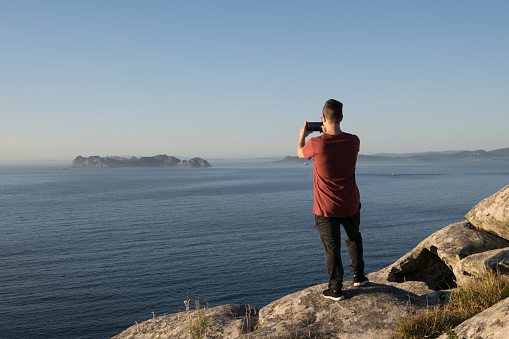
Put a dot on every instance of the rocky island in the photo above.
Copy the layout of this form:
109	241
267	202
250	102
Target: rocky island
423	277
156	161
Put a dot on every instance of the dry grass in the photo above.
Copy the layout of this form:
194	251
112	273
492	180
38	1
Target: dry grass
479	294
198	327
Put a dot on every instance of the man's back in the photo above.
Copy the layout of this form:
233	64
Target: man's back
335	158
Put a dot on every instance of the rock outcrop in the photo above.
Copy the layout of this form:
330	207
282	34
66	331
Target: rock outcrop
156	161
368	312
436	260
422	277
225	321
492	214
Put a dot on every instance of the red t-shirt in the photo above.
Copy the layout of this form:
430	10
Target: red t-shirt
335	157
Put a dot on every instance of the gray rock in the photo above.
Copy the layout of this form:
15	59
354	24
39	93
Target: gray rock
368	312
491	323
492	214
476	265
434	259
226	321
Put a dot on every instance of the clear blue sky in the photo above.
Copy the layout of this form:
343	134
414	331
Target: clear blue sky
229	79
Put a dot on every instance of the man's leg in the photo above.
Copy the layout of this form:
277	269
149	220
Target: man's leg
354	243
330	235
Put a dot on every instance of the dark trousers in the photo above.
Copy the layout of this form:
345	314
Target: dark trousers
329	228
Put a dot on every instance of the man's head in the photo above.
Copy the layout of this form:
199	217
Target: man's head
333	111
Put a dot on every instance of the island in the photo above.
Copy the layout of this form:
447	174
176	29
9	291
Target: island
155	161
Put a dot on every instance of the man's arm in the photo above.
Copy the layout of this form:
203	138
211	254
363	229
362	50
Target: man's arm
302	141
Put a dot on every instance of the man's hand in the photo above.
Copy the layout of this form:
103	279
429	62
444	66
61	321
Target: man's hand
304	131
302	140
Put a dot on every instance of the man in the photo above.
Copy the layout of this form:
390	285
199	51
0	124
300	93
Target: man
336	196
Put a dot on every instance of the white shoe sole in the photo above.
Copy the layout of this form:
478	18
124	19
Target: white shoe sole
334	298
359	284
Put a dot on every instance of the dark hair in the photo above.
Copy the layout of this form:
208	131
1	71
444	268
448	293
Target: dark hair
333	110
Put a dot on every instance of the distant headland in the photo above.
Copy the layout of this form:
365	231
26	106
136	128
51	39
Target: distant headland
479	155
155	161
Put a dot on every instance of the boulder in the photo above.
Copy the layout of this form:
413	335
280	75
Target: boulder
433	260
226	321
492	323
478	264
492	214
368	312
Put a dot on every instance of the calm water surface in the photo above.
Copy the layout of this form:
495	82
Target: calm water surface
84	253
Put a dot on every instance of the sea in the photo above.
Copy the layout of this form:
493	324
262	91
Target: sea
88	252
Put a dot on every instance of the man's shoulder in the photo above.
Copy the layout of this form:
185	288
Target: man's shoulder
350	135
344	136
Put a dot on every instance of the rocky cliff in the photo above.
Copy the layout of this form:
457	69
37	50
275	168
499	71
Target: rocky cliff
422	277
156	161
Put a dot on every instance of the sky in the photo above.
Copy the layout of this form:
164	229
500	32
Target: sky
238	79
